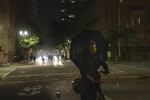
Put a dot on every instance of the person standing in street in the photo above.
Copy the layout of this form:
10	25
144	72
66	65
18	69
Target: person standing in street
93	60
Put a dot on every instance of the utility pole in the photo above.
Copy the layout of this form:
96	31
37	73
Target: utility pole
119	26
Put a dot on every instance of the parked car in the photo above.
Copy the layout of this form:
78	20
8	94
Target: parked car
17	58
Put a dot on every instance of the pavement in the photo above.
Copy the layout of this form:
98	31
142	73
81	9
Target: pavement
7	68
117	69
121	74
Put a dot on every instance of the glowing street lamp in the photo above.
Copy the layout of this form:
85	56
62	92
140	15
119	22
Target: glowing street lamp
23	33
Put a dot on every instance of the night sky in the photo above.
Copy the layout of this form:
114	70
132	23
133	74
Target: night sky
47	12
51	29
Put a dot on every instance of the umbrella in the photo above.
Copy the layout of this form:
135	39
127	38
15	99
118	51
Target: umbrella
80	44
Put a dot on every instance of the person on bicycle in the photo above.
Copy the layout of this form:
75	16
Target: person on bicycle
89	74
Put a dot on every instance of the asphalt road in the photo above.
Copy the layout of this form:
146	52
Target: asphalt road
46	82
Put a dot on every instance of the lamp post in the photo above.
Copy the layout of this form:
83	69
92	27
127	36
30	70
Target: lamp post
23	34
119	25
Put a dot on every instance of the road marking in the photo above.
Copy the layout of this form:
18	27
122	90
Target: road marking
32	81
55	74
29	91
11	70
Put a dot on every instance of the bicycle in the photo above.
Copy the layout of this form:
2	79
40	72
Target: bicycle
89	88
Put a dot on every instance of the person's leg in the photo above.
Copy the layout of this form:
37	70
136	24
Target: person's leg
100	94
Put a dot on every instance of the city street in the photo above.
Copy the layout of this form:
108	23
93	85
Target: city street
44	42
50	82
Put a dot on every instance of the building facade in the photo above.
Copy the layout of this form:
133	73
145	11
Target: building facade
124	24
7	29
119	15
14	16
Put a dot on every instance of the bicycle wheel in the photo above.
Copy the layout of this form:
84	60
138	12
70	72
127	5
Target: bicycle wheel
100	94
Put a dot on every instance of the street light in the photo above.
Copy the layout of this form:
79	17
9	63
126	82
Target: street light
23	33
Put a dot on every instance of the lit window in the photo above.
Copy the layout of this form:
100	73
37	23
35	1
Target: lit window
62	19
71	16
139	20
62	10
71	1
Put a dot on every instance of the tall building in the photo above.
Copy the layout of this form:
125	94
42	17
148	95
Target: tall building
70	13
7	28
34	10
67	10
118	15
66	14
115	18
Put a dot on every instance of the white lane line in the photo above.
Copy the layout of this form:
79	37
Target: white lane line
11	70
55	74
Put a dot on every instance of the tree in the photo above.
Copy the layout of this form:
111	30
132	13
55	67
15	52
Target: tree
65	46
29	41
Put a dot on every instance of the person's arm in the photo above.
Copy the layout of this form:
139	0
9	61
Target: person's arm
104	64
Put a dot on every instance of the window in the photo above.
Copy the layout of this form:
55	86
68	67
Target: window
132	21
72	1
139	20
62	10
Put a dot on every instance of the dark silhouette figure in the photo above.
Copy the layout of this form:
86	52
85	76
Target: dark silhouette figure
89	52
43	60
34	58
90	74
90	60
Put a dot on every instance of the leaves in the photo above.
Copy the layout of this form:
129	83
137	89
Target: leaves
65	44
29	41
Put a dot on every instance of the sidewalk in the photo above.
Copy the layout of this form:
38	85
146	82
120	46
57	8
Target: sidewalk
129	69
